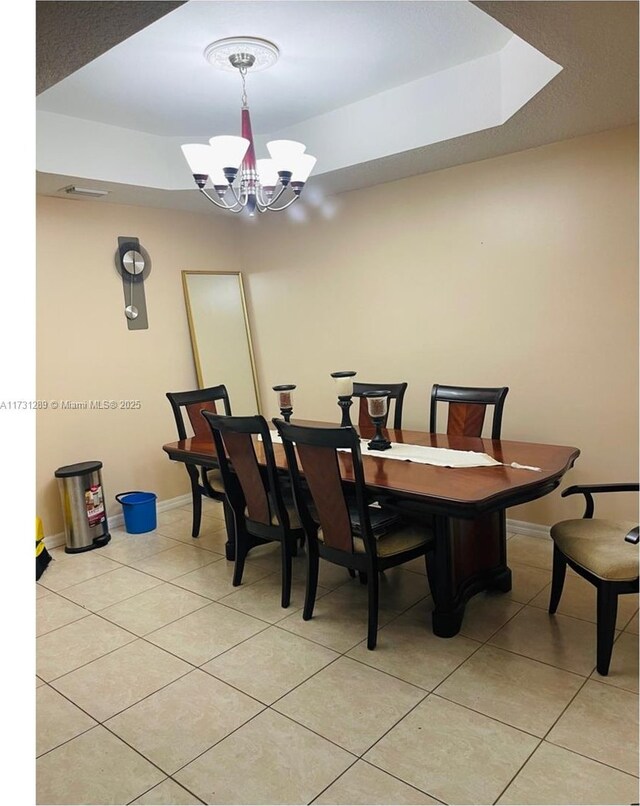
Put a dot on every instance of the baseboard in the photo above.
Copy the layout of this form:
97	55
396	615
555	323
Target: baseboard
53	541
513	527
525	528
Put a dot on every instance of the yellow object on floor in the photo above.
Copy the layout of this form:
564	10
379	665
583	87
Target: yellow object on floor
43	558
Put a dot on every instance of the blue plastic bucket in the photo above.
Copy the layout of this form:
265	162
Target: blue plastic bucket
139	510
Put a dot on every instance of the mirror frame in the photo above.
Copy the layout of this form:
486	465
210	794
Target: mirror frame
192	333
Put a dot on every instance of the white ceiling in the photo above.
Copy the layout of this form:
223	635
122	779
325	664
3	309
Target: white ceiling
381	86
332	54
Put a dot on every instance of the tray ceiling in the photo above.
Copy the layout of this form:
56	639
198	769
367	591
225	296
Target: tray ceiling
373	88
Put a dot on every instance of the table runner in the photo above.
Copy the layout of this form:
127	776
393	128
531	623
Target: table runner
427	455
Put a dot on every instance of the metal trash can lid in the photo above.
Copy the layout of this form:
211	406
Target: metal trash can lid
77	470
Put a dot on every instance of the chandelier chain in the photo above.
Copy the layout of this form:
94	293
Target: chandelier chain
243	74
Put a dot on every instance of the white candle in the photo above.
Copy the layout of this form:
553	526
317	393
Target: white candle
344	386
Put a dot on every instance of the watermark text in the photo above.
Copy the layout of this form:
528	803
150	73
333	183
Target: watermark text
70	405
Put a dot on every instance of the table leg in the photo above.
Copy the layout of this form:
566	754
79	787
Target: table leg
447	614
470	556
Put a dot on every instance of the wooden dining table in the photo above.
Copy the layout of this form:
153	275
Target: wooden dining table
464	506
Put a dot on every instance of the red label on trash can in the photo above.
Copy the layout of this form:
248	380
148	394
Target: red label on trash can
95	504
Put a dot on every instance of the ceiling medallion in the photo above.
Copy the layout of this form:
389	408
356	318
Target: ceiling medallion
228	164
265	54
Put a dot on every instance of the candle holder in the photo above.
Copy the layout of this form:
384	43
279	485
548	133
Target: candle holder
285	399
344	387
377	406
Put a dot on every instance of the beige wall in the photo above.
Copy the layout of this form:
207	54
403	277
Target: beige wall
86	352
518	271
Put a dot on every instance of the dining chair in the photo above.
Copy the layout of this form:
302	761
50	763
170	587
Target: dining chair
254	493
396	394
605	553
465	417
204	481
341	529
467	408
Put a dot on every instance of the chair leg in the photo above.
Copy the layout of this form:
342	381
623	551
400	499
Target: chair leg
288	546
607	609
352	573
312	581
196	498
230	525
372	589
241	555
557	579
363	577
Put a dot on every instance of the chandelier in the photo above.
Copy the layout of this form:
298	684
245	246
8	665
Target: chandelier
228	165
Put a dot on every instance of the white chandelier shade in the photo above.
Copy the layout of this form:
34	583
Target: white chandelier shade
229	162
198	156
228	151
302	166
284	152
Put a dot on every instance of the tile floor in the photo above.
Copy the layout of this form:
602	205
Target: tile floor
160	683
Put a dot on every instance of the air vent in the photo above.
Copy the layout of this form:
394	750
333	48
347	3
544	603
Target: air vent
86	193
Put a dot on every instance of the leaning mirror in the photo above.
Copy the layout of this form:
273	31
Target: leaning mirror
220	336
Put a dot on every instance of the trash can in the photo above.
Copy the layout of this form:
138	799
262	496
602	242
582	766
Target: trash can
82	496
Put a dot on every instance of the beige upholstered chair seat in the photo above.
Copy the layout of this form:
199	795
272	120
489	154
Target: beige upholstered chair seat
215	478
292	512
599	546
401	539
294	518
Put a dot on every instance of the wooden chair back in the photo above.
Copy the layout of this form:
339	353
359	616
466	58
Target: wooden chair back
467	408
312	452
192	403
252	488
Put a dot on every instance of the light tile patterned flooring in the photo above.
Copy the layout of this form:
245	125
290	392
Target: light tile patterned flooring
160	683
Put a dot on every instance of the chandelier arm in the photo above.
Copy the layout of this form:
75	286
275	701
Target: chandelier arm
242	199
275	198
238	201
222	206
263	205
261	201
284	206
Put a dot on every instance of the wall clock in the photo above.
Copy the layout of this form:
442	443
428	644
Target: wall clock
133	265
